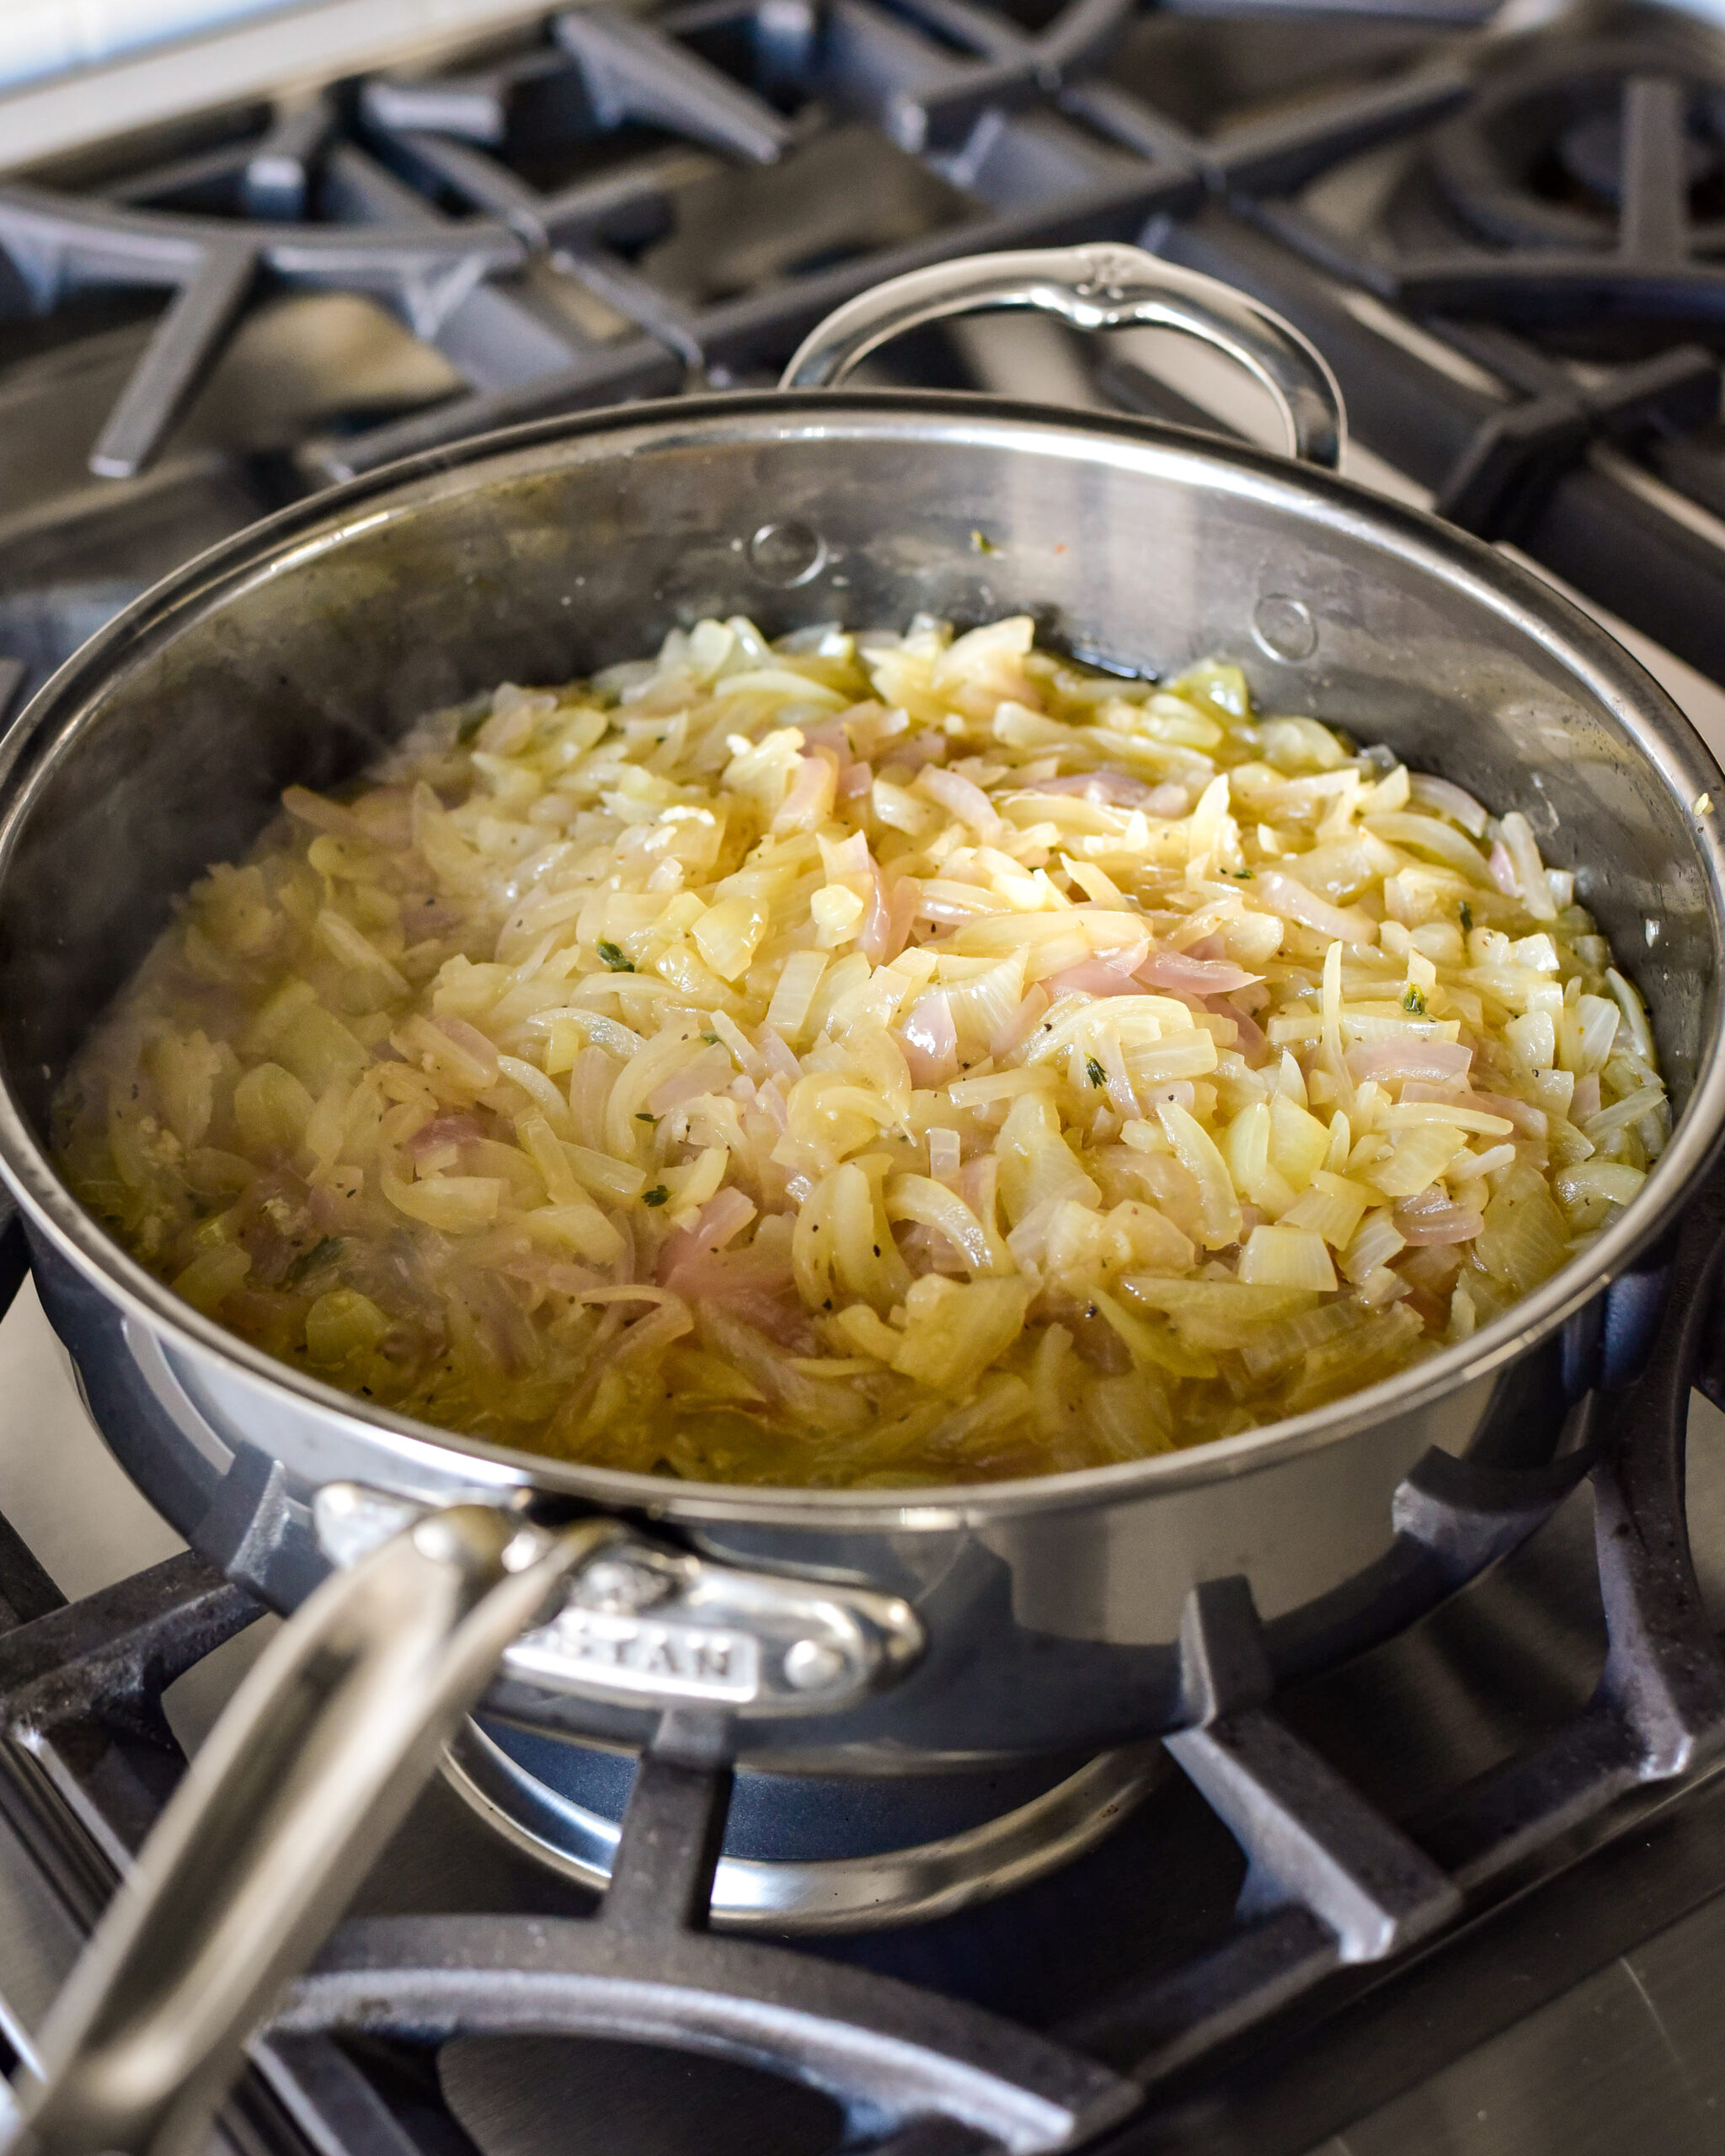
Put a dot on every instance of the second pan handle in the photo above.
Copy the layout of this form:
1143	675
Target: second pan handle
1094	287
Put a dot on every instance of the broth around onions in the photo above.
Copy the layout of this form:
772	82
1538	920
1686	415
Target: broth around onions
872	1060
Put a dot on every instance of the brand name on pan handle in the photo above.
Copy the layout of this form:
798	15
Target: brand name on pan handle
584	1649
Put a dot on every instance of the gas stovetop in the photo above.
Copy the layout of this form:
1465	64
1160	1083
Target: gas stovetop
1463	1895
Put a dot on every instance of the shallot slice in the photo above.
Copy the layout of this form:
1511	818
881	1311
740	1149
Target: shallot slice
1439	1224
1178	969
443	1131
872	937
725	1214
1250	1037
961	797
1282	894
1022	1022
1408	1056
1450	800
930	1040
1094	977
1118	791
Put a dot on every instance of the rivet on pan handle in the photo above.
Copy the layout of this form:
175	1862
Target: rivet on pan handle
1096	288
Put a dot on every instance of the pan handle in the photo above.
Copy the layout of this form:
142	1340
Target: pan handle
1094	287
317	1760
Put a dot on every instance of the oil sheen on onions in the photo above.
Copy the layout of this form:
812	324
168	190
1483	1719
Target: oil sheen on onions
871	1060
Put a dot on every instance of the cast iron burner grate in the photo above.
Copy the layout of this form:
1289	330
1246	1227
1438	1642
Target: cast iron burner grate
560	223
612	206
626	202
1508	249
1598	177
1578	192
1337	1892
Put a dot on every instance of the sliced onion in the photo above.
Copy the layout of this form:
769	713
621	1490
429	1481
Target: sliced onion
709	1072
1439	1224
962	798
930	1040
1250	1037
1126	958
1018	1028
771	1101
1120	1086
828	734
920	751
873	936
1530	874
1282	894
1502	871
443	1131
1120	791
848	856
1408	1056
322	814
751	1283
1093	977
1522	1113
1449	800
811	792
1179	969
472	1042
949	912
932	1205
565	1279
777	1055
723	1215
903	903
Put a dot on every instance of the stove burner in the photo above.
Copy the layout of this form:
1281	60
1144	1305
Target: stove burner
1599	174
1607	146
1590	151
1001	1840
893	2057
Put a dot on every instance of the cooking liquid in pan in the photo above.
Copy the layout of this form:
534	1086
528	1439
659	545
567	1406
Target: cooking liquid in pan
873	1060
